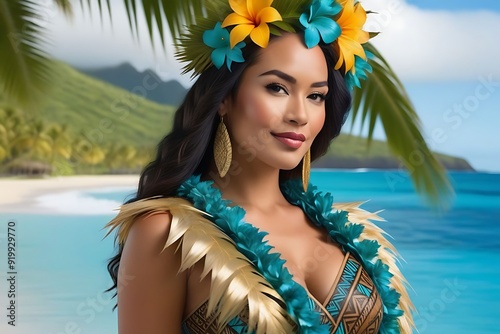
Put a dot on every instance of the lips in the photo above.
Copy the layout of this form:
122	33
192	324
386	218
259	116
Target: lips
291	139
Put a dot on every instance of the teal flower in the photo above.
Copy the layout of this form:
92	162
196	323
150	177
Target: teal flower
218	39
368	249
319	24
359	72
382	275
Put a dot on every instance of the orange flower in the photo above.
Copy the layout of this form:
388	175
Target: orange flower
351	21
251	18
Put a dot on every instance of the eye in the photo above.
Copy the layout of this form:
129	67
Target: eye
277	88
317	97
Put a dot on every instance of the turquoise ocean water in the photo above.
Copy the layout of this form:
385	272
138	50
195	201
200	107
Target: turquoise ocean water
452	260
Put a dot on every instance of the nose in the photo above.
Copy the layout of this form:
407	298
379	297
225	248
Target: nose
296	112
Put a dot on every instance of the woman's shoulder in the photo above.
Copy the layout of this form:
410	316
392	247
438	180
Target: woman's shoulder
151	226
150	216
148	270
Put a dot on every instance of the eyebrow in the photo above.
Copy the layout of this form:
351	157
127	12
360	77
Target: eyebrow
291	79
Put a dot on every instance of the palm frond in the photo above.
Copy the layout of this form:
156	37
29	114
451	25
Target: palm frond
152	9
383	97
132	16
25	68
100	7
65	7
179	14
176	14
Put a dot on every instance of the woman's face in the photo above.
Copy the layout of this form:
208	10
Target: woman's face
279	107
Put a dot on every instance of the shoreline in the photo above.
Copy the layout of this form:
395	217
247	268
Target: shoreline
19	195
26	195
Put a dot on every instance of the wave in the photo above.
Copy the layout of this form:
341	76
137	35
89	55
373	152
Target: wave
81	202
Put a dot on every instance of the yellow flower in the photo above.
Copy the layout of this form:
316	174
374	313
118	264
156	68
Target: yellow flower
251	18
351	21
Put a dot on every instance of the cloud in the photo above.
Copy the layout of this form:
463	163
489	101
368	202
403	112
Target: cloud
86	42
430	45
421	45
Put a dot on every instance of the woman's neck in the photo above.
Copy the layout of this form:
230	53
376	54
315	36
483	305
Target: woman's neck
250	187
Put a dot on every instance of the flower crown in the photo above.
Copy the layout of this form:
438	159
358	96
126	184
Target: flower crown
217	39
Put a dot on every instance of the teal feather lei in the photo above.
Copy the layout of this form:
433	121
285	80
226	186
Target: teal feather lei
318	208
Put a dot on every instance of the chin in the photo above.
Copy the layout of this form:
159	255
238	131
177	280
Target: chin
289	165
282	161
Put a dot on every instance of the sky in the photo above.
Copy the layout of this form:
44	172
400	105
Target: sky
445	52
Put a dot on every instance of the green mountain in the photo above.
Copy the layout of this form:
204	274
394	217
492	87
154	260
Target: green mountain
146	83
102	114
349	151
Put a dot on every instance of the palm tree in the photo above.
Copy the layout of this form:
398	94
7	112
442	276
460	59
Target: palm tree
88	153
10	128
143	156
61	150
383	97
4	153
33	142
61	142
120	156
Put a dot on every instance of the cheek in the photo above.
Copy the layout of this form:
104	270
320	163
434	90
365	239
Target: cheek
257	110
317	122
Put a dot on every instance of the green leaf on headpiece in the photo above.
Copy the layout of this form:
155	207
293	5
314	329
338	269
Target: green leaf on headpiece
291	9
284	26
191	49
217	10
373	34
275	31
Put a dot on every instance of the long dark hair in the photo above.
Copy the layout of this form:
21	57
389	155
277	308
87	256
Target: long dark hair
188	148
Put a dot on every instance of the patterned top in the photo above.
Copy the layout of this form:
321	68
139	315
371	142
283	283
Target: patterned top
352	306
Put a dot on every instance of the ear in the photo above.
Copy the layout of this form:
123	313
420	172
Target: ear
225	105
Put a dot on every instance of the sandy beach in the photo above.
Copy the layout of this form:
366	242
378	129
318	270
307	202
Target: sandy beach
19	195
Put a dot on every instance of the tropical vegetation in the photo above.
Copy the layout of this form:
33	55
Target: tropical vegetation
109	134
35	147
25	74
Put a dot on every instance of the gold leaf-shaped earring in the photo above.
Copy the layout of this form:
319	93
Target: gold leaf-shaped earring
306	169
223	153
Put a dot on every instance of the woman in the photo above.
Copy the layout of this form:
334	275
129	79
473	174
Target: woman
226	234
